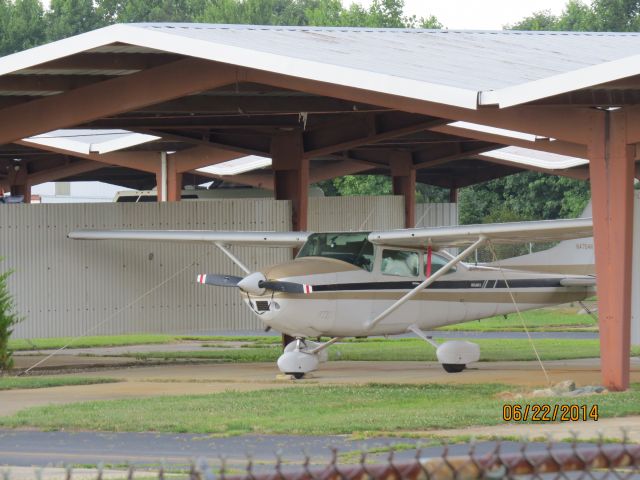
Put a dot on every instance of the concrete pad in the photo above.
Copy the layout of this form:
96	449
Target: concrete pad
29	473
148	381
527	374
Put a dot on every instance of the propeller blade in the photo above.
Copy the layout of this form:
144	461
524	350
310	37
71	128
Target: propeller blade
286	287
218	280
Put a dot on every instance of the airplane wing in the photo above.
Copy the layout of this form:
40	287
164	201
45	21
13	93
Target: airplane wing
460	236
267	239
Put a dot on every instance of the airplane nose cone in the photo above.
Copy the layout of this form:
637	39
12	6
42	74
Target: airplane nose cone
251	283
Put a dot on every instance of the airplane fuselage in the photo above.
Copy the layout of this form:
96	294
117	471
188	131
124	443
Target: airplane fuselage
343	297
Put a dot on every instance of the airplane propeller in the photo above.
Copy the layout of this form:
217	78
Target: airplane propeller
254	283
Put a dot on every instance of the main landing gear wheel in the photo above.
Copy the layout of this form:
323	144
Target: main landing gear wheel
453	367
296	375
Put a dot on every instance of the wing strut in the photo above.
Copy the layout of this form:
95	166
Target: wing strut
451	263
233	258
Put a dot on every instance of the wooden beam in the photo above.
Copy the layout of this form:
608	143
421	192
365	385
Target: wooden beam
144	161
48	83
362	130
107	61
257	180
338	169
57	173
445	153
403	177
611	164
111	97
566	123
559	147
233	104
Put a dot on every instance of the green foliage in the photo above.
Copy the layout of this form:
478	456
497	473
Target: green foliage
8	318
22	25
598	16
524	196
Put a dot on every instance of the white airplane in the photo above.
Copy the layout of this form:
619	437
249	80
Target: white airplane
344	284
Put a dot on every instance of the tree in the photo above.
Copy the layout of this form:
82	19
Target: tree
22	24
66	18
527	195
8	318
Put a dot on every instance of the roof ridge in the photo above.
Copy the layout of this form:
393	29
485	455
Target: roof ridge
297	28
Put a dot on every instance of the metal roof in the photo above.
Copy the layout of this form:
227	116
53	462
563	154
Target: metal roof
534	158
91	141
460	68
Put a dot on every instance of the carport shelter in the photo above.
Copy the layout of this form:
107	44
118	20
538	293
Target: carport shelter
325	102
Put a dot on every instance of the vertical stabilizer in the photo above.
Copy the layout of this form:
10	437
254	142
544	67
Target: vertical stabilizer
576	257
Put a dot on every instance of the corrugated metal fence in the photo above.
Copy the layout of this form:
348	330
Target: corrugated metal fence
67	288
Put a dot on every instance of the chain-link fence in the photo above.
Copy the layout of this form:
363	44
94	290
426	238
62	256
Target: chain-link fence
502	460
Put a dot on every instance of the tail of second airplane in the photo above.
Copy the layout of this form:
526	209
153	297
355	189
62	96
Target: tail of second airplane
576	257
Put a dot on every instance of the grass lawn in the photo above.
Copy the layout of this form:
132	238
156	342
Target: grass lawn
543	320
318	410
124	340
405	349
12	383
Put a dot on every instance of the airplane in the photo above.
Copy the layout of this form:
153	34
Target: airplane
357	284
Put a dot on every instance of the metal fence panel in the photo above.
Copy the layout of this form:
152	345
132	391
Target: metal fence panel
67	288
436	214
355	213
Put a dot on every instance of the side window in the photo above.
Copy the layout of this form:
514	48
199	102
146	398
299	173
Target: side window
400	263
437	262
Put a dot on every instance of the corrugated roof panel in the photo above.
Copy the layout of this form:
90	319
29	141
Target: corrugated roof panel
475	60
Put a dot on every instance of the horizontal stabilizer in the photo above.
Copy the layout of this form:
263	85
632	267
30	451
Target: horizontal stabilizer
578	282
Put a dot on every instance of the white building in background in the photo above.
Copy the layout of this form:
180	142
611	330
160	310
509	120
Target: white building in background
74	192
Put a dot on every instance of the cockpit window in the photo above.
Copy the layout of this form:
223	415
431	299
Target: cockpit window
401	263
353	248
437	262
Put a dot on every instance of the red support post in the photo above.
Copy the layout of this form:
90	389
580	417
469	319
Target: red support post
453	195
611	168
174	180
291	175
404	183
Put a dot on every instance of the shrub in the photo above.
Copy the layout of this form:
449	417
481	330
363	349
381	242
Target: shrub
8	318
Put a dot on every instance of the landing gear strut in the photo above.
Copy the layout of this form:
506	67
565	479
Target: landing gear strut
452	355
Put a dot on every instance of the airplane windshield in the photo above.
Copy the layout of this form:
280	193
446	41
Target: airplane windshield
353	248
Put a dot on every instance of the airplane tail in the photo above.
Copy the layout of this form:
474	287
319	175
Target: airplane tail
574	257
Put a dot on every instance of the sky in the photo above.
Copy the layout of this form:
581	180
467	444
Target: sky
476	14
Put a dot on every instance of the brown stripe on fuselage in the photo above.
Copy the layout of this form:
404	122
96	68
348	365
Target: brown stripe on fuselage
560	269
309	266
490	296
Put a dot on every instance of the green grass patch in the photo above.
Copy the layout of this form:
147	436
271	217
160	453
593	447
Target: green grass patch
12	383
406	349
544	320
125	340
317	410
